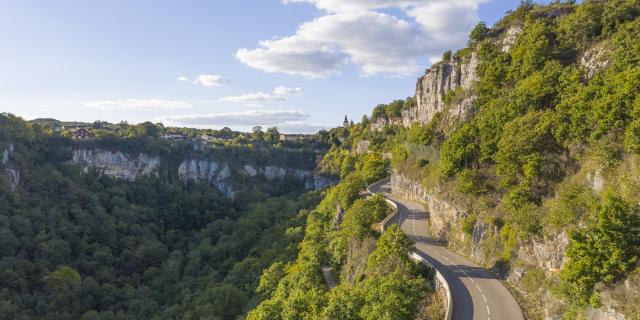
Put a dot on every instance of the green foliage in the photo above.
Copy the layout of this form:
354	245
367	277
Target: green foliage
526	148
533	48
604	249
391	110
632	137
570	204
470	182
446	56
468	224
392	253
459	150
478	33
81	246
374	167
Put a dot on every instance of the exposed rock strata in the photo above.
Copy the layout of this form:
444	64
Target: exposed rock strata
442	213
218	173
595	59
116	164
10	170
455	78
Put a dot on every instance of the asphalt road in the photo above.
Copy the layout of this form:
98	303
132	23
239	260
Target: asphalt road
477	294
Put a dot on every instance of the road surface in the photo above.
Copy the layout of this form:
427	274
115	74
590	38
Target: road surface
477	294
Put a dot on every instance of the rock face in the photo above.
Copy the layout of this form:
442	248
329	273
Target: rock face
595	59
510	36
362	147
442	213
546	252
220	175
439	80
116	164
10	170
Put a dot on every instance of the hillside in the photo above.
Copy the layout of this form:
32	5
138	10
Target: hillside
136	227
523	148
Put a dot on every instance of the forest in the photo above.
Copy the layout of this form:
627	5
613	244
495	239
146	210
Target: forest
82	246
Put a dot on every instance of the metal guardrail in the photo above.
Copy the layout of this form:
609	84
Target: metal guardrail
440	280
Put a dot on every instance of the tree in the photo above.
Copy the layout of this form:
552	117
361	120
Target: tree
391	253
257	134
478	33
374	167
632	137
446	56
272	135
605	249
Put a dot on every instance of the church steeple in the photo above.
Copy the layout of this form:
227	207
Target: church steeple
345	123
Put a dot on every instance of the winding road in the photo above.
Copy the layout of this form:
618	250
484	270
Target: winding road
477	293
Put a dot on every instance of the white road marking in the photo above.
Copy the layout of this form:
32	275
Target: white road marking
413	226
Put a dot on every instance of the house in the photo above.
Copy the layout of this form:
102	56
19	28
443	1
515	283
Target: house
296	137
174	137
80	134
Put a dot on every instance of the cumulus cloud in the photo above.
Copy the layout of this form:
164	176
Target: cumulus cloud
363	33
209	80
137	104
183	79
250	118
256	99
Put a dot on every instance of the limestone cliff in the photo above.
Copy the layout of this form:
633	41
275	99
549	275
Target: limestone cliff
115	163
221	174
443	214
445	88
10	170
441	79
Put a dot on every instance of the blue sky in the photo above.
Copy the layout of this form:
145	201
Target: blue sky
296	64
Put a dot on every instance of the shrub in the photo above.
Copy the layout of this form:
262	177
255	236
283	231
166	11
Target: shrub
605	249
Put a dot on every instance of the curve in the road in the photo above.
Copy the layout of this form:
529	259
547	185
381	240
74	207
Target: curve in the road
477	293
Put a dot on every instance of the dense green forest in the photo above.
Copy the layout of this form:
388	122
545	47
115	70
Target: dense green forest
80	246
377	278
542	126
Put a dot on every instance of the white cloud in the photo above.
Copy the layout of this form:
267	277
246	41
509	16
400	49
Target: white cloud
209	80
244	118
137	104
285	91
183	79
357	32
256	99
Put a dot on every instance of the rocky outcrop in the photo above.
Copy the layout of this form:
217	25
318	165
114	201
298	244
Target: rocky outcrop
443	214
7	152
380	123
443	78
14	178
362	147
595	59
546	252
509	37
273	172
116	164
220	175
10	170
